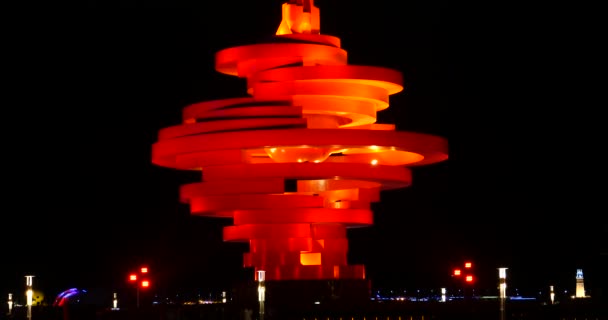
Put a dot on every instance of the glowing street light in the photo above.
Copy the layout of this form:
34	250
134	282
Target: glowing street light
29	294
144	283
502	275
502	285
261	291
115	302
10	303
464	276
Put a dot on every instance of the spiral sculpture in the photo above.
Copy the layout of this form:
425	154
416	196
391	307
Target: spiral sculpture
299	159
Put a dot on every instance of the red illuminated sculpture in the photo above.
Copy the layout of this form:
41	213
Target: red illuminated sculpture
308	117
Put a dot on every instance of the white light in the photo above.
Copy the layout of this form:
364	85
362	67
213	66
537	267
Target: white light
502	274
502	285
29	294
375	162
261	288
10	302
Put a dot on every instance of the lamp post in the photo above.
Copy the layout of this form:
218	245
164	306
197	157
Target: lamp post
29	294
502	286
261	291
10	303
115	301
465	275
144	283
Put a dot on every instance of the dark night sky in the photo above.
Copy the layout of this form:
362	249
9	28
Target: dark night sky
84	97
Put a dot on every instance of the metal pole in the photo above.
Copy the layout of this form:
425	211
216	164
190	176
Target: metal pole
137	290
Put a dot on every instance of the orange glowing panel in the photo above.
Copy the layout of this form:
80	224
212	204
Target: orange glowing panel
145	284
457	272
310	258
133	277
468	265
144	270
469	278
300	157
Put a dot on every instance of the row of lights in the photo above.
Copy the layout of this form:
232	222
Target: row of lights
145	283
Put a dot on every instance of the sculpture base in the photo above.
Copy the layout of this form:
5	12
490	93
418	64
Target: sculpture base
290	297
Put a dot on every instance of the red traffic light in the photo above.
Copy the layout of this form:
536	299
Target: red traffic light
145	284
132	277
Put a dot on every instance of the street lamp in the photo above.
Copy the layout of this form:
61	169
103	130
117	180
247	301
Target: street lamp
10	303
144	283
29	294
115	302
502	285
261	291
465	275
